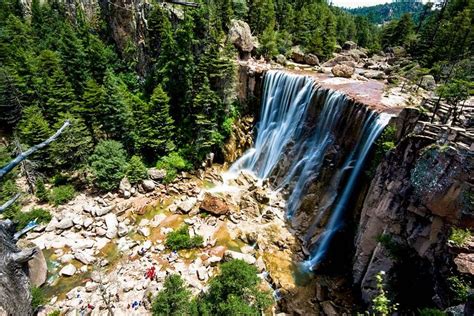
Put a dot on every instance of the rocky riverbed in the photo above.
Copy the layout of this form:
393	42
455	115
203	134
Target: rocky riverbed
99	248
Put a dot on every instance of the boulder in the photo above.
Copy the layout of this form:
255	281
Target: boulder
68	270
374	74
231	255
214	204
125	185
261	196
349	45
338	60
344	71
112	225
104	210
156	174
148	185
37	268
311	59
241	36
122	230
281	59
84	257
428	82
357	54
187	205
297	54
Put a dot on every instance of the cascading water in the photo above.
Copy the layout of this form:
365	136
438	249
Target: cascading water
284	127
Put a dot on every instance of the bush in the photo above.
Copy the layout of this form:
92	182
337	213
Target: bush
23	218
172	164
173	299
62	194
459	289
37	297
108	163
381	303
41	191
180	239
431	312
459	236
136	170
235	291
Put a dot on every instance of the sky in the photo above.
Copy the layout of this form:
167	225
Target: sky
359	3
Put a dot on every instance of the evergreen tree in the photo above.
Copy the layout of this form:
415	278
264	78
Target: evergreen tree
73	148
136	170
108	164
94	98
156	133
268	43
41	191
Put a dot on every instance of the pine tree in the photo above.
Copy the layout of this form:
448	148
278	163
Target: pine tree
94	98
136	170
73	148
108	163
41	191
156	133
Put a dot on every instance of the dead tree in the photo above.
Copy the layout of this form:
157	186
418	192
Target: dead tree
15	295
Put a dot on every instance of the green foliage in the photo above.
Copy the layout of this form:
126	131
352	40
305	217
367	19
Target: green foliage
235	291
172	163
136	170
180	239
431	312
55	313
399	33
381	304
108	163
459	236
173	299
459	289
62	194
268	43
23	218
41	192
37	297
378	14
383	145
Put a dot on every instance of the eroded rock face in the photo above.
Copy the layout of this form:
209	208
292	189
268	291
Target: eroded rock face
416	196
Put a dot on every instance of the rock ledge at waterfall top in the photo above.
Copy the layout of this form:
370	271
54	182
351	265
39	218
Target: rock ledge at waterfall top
376	94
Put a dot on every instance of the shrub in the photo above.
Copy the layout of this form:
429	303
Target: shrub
172	164
37	297
23	218
55	313
235	291
108	163
173	299
62	194
459	236
41	191
180	239
136	170
459	289
381	303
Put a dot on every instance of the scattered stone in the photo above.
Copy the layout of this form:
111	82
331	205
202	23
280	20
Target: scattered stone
122	230
374	74
261	196
125	186
342	71
87	222
230	255
84	257
156	174
465	263
144	231
187	205
112	225
339	59
68	270
103	211
65	223
91	286
202	273
214	204
148	185
38	269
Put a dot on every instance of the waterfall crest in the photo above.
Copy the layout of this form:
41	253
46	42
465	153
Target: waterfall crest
294	139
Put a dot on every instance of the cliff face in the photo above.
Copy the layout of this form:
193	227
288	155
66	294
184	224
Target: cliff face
419	192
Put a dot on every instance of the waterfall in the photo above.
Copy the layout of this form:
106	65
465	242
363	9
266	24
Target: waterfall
287	128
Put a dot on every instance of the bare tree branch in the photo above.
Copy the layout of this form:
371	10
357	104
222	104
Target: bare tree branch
8	203
12	164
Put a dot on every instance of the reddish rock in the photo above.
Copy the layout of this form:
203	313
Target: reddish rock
214	204
344	71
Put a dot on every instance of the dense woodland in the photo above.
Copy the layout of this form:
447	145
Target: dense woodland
55	67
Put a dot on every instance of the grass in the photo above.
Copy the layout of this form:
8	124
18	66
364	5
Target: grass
23	218
62	194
